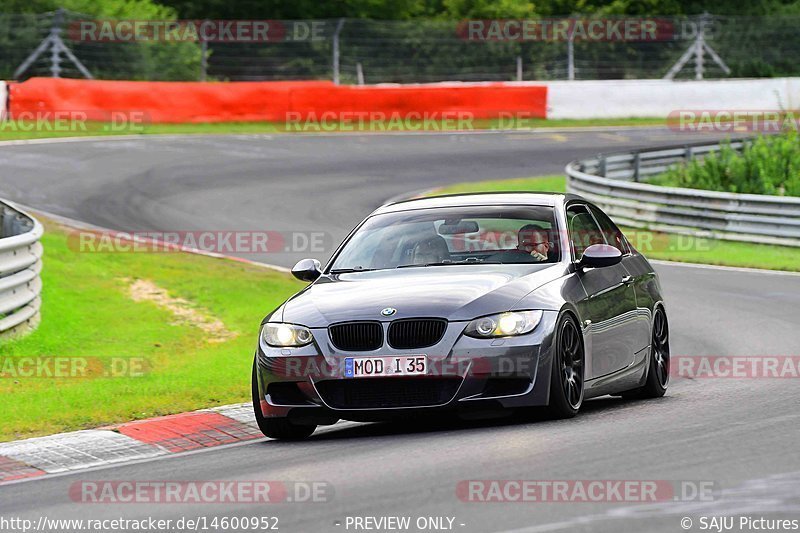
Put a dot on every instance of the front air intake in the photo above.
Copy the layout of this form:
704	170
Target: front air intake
356	336
413	333
387	393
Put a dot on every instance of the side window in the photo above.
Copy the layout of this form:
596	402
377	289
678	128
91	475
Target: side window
583	230
613	234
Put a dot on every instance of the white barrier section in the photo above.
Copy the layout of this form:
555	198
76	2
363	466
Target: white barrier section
3	100
20	268
659	98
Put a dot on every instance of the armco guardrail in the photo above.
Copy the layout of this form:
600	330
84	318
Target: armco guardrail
20	266
613	183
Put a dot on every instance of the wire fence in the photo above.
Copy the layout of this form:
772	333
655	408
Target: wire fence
370	51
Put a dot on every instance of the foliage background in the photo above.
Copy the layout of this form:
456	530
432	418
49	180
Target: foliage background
404	40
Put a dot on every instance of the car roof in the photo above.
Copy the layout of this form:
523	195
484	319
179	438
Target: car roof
480	198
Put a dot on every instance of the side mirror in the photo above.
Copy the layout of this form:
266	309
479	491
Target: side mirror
307	270
600	255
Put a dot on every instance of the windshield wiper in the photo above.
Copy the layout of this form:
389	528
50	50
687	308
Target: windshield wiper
445	263
348	270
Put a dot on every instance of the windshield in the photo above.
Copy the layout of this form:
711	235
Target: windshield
453	235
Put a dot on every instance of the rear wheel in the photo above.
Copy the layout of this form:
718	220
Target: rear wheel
566	381
276	428
658	372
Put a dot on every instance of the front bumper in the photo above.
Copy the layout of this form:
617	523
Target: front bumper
306	384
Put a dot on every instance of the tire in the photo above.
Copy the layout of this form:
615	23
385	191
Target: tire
277	428
658	368
566	378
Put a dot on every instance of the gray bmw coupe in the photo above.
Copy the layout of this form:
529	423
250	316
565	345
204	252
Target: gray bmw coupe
459	304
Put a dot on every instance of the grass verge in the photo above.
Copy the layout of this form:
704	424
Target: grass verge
11	130
658	245
159	364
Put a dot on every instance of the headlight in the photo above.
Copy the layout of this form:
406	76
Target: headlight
504	324
285	335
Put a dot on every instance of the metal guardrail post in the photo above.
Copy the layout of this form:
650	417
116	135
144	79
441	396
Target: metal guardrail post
336	33
203	56
637	165
602	165
571	53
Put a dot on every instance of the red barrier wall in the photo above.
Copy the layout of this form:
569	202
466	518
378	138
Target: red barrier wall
481	100
268	101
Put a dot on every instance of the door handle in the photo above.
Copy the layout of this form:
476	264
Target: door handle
627	280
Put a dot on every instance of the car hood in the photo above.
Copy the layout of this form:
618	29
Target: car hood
454	292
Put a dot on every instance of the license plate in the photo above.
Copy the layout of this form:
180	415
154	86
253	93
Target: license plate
399	365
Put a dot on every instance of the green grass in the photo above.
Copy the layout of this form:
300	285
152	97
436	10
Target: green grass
540	184
87	312
669	247
658	245
11	130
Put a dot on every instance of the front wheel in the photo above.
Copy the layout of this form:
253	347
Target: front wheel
566	379
276	428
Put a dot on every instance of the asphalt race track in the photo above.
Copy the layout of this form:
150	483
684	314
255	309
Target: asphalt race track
302	183
740	434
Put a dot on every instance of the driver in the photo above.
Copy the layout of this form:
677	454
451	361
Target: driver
533	241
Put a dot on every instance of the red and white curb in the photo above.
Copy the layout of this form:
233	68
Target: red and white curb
143	439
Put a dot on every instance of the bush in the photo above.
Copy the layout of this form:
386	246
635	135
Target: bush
768	165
